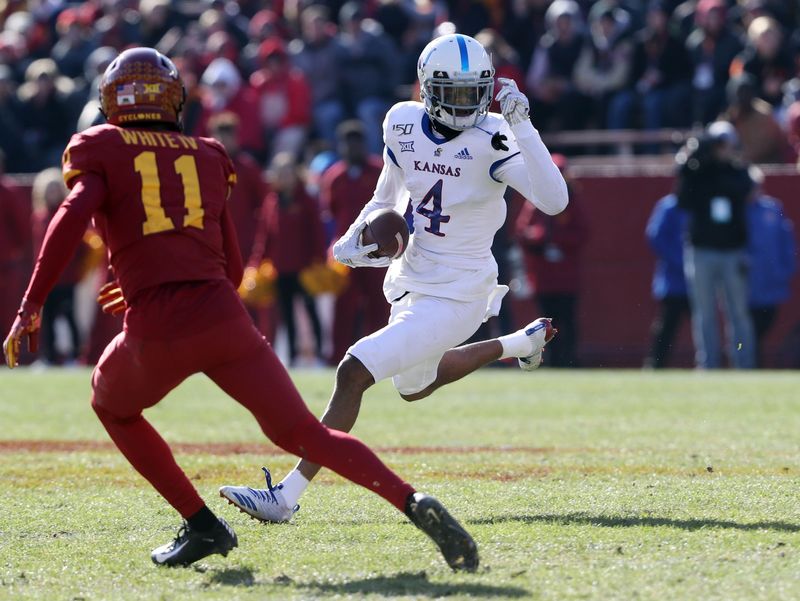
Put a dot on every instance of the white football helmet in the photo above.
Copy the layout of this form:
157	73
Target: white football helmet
456	79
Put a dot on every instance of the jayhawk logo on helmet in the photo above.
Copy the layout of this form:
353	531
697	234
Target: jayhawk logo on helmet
456	80
141	84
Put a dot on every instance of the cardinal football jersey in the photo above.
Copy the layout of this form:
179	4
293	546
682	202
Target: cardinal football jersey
454	203
166	194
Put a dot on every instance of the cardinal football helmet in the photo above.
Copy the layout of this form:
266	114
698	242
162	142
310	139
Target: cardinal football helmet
456	80
141	85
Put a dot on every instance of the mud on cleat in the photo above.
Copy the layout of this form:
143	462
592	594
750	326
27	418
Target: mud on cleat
192	545
266	505
429	515
540	332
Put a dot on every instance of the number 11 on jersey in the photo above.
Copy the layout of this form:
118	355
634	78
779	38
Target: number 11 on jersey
156	218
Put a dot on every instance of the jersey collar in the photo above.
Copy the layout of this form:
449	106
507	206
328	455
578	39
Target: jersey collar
427	129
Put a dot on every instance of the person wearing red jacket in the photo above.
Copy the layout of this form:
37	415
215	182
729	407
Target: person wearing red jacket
284	99
222	90
290	235
248	195
159	198
344	190
551	246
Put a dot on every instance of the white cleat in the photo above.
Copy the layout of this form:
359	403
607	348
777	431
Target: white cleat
266	505
540	332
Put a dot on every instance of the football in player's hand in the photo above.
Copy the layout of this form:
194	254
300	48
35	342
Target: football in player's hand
387	229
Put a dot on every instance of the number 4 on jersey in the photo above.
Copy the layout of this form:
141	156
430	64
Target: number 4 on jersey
435	214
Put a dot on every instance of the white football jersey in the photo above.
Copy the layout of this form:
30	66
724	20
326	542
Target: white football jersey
452	197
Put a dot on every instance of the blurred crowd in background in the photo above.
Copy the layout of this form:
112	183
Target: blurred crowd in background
292	70
297	91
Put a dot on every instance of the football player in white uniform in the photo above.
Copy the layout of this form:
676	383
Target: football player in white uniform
447	163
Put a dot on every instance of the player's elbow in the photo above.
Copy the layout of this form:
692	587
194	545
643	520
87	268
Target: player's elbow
554	202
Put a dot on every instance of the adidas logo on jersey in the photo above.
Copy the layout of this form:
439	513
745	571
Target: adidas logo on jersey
463	154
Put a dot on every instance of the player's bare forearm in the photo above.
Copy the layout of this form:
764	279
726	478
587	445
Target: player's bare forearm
64	234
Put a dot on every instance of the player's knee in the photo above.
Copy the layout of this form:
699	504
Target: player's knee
351	375
107	416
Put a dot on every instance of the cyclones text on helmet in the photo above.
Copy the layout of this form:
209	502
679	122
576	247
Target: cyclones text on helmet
456	79
141	85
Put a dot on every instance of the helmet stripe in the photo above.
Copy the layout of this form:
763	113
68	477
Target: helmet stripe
462	48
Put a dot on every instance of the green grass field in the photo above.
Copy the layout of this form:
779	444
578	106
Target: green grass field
576	485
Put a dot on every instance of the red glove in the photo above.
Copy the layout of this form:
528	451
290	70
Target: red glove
111	300
28	322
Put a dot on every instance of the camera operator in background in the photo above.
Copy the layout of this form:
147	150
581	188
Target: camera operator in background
713	188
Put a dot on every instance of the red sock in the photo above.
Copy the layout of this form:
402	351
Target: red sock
150	455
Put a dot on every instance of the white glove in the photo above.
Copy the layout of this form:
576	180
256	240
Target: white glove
349	251
513	104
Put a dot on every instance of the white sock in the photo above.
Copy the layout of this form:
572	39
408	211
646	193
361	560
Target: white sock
294	484
516	345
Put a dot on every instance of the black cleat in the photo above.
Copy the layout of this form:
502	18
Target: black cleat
459	550
192	545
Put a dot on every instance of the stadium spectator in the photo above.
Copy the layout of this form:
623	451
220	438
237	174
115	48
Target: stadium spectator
247	196
711	46
762	139
604	65
12	131
318	55
48	192
14	245
766	57
290	235
713	188
665	234
47	114
527	22
552	250
369	76
222	90
74	44
284	100
344	190
658	85
395	20
264	25
556	103
772	251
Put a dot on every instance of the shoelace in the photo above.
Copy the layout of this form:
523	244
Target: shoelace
269	494
183	532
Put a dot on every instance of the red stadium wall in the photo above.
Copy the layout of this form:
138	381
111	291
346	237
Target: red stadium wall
616	307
